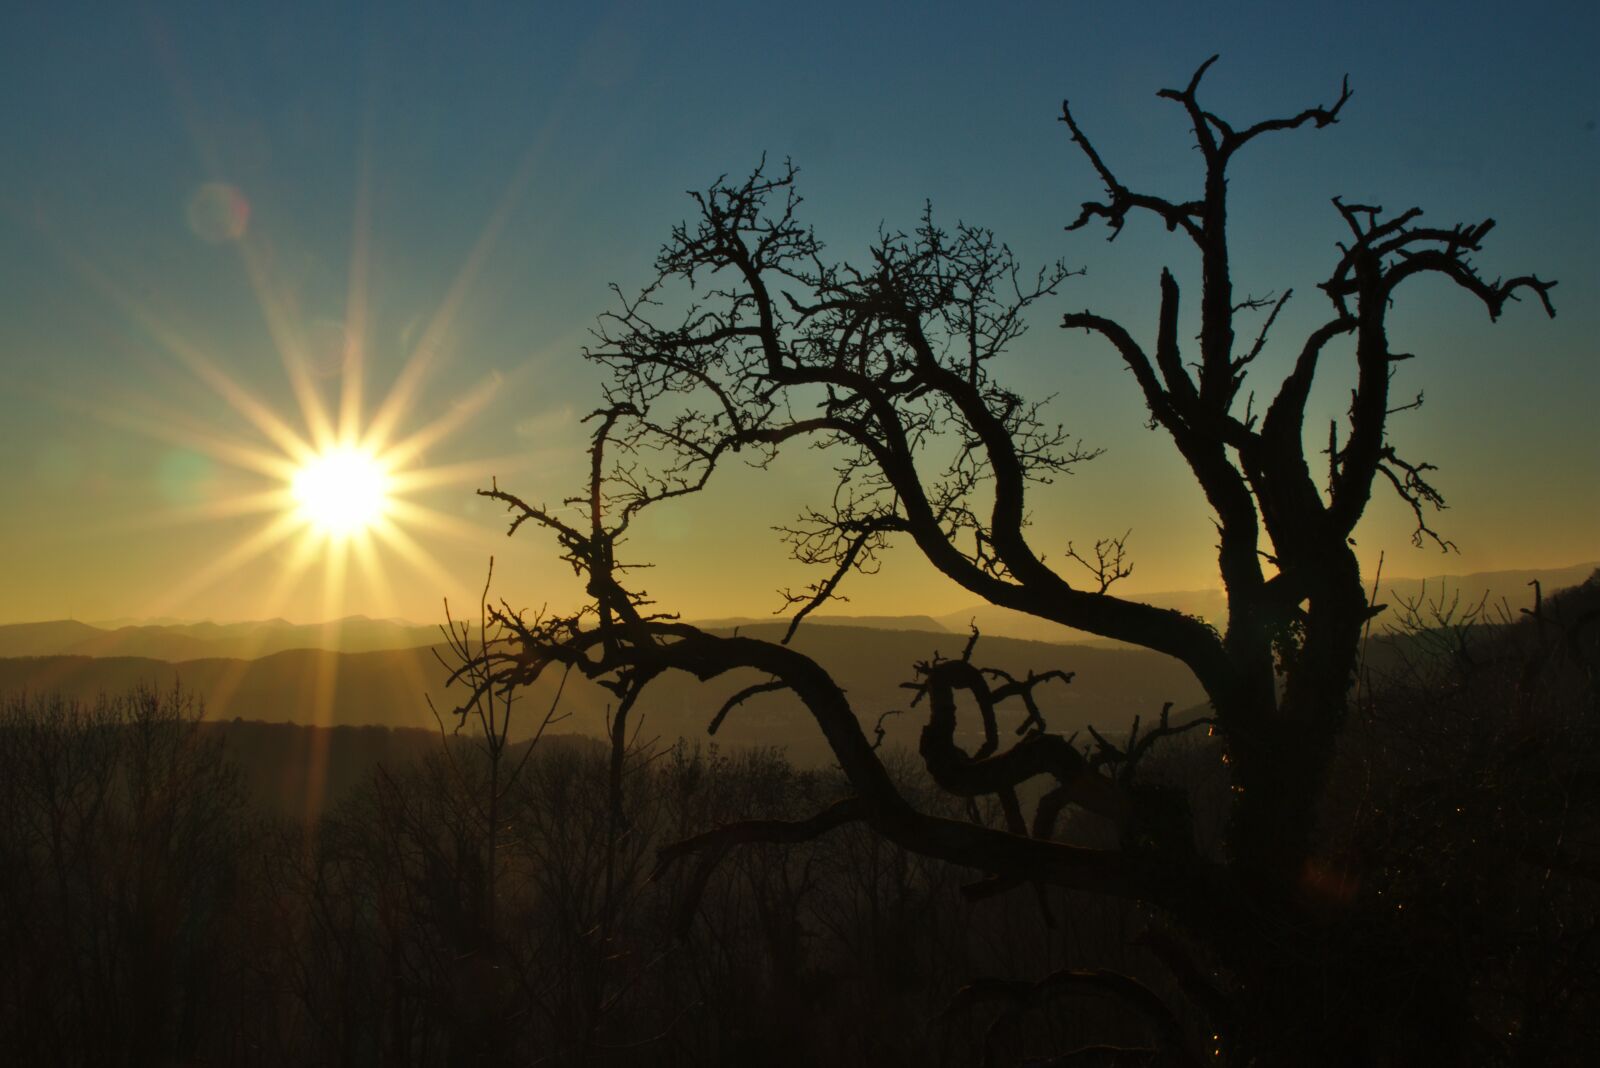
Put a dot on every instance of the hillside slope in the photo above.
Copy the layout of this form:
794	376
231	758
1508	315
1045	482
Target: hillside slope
391	688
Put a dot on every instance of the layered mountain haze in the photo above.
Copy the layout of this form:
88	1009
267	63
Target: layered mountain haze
193	641
367	672
177	641
926	624
393	687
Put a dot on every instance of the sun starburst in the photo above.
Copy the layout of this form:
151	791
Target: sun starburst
332	479
342	492
329	480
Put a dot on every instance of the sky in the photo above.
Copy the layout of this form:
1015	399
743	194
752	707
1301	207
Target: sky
215	219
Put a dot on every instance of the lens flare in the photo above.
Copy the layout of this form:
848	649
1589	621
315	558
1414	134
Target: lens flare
218	212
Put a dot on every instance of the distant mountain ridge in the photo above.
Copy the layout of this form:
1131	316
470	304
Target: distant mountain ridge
178	641
392	687
923	624
195	641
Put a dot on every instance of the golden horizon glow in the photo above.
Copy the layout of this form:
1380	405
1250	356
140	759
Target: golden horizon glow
328	496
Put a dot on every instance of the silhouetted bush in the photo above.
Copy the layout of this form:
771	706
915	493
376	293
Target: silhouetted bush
121	836
1466	805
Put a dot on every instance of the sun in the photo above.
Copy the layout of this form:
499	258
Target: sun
341	492
336	480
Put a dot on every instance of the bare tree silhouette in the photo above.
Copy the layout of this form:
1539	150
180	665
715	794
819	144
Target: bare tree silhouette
750	339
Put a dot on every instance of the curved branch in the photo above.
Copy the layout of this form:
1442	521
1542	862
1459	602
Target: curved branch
770	686
986	772
1122	199
711	846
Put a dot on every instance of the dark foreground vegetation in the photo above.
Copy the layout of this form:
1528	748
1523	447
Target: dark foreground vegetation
150	913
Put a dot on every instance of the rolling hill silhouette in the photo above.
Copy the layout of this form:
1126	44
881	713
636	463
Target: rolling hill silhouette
366	672
391	687
179	641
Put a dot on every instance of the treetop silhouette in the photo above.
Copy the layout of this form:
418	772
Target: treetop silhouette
888	365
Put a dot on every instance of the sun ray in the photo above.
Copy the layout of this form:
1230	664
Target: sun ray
333	581
408	549
190	355
354	353
420	515
371	571
278	310
274	500
255	545
168	426
398	401
253	410
463	409
471	471
240	400
325	677
277	318
289	576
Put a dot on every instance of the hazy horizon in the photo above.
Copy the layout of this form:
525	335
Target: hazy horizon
1574	573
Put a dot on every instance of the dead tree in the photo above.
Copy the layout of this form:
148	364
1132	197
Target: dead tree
750	339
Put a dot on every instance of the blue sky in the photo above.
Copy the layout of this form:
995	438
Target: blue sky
524	156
